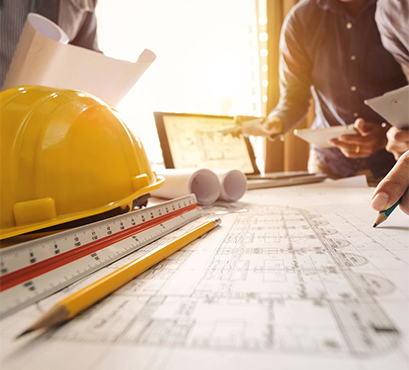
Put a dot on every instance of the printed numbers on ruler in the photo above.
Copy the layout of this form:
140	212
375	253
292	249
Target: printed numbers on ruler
36	269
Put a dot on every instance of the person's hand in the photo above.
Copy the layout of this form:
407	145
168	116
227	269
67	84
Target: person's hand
398	141
393	187
271	127
239	122
371	138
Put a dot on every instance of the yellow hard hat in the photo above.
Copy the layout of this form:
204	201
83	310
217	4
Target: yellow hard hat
65	155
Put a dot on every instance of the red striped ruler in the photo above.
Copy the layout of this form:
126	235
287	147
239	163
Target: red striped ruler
33	270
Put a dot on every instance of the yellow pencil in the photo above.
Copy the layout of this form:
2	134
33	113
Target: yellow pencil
77	302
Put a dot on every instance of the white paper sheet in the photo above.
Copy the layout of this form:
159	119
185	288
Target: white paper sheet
295	278
347	182
41	60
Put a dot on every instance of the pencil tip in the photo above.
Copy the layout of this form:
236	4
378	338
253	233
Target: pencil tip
24	333
375	225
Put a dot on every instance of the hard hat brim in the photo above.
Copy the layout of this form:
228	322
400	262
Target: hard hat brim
14	231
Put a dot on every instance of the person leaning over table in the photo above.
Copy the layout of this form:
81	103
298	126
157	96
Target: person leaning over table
76	17
392	17
332	48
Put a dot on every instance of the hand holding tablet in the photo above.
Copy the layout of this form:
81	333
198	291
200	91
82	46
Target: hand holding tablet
359	140
393	106
320	137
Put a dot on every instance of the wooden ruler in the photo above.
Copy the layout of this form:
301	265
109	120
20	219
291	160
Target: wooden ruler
33	270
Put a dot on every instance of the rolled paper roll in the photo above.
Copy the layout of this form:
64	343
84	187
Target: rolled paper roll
47	28
204	183
42	57
233	185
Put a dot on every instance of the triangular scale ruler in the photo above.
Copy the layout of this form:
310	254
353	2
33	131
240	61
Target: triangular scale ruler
33	270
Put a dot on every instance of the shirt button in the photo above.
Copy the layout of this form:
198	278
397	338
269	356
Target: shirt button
353	57
353	88
356	115
349	25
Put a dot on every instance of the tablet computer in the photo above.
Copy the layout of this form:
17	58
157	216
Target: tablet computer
393	106
320	137
190	140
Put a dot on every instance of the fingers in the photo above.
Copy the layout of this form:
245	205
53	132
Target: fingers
269	127
395	134
361	126
241	123
368	128
274	125
352	150
239	120
371	138
397	148
393	187
398	141
402	135
255	130
234	131
352	139
237	133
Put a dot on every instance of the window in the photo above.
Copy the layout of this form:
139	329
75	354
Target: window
208	59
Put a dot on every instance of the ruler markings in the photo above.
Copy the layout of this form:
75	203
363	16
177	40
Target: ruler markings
29	272
14	256
32	291
42	280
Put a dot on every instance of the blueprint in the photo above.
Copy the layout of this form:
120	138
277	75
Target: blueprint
194	143
295	278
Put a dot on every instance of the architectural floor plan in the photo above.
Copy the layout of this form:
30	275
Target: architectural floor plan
294	278
194	143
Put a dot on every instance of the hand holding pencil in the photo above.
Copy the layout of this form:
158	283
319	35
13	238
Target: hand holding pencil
78	302
392	190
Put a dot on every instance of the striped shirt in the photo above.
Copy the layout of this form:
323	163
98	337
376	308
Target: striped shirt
75	17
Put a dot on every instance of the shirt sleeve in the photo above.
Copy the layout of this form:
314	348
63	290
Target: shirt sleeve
78	19
295	68
87	35
387	18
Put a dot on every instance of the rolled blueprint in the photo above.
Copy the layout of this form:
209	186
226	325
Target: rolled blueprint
47	28
203	183
207	185
43	58
233	185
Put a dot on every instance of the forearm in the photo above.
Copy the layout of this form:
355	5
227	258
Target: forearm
295	69
291	109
